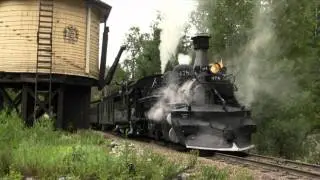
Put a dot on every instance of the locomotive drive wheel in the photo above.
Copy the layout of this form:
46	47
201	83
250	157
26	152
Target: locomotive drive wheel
165	132
172	136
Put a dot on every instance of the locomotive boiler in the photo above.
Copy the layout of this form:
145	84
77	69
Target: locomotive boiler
191	105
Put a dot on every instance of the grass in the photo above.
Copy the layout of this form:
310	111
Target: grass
44	153
210	172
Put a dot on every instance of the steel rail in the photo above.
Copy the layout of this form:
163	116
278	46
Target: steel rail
272	165
287	162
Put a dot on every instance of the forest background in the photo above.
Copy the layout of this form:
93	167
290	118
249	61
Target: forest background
272	47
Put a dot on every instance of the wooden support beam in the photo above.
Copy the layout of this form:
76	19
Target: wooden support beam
17	101
59	120
43	104
1	102
12	103
70	103
27	105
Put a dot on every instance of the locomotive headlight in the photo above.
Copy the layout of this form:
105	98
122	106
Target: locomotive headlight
215	68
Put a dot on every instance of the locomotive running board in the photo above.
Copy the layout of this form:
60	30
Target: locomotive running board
233	148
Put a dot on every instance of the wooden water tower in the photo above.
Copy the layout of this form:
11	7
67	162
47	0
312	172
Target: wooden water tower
49	53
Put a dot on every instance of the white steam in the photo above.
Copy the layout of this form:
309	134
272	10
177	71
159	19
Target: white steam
169	95
175	15
184	59
258	72
261	42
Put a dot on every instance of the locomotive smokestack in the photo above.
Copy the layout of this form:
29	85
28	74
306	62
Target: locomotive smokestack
201	46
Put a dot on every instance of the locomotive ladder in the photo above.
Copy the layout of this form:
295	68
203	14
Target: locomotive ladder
44	58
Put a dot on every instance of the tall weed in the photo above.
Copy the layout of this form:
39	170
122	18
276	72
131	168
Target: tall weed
42	152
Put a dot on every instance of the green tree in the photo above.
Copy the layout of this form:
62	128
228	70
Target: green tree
120	76
227	22
144	55
148	62
294	27
134	41
291	55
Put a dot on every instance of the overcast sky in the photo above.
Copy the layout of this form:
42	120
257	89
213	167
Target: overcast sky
128	13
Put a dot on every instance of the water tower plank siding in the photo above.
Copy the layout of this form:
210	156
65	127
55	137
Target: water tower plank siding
69	55
18	37
49	55
94	44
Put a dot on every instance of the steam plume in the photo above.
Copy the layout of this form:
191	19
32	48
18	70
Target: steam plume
259	69
257	74
174	18
184	59
170	94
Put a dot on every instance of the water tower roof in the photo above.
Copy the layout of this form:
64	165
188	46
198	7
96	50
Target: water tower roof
103	7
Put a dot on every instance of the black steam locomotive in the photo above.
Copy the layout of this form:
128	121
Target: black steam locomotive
191	105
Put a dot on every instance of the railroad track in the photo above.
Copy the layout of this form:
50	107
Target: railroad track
284	168
287	168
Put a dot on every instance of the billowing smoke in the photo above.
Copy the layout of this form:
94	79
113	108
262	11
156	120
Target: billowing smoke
184	59
169	95
253	58
175	15
257	67
257	72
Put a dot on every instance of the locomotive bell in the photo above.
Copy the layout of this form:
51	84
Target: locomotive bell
201	46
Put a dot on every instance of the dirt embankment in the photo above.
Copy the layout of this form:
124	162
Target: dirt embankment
235	171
